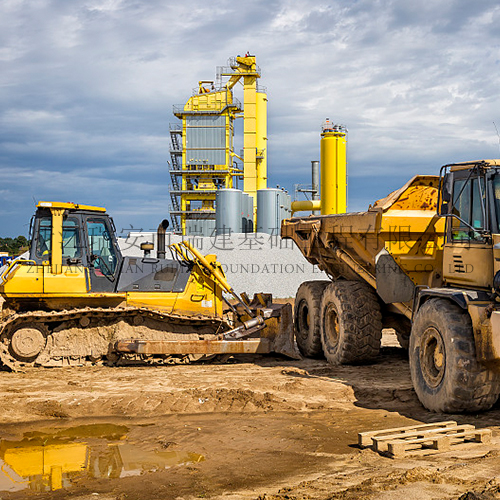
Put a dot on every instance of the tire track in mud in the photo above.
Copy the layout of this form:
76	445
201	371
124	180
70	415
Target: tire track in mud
426	481
270	384
249	384
182	401
148	391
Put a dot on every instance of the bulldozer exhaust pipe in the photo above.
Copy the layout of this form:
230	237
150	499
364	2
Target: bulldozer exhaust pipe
160	239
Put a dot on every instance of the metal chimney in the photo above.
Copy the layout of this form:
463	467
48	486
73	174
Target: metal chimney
315	183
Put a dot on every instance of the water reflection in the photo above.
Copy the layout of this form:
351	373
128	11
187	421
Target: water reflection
54	460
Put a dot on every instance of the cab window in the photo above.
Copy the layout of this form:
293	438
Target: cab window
469	206
71	247
71	240
44	238
496	194
102	251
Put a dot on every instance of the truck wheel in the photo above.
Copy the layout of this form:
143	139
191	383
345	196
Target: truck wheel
444	370
351	323
307	318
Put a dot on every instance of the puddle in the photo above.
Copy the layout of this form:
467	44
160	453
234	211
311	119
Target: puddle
56	458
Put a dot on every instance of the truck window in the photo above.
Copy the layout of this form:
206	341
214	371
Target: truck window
478	204
101	247
468	204
496	193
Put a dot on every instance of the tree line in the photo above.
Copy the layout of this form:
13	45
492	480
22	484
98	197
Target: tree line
15	246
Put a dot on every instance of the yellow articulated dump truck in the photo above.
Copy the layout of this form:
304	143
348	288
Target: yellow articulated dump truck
78	300
425	261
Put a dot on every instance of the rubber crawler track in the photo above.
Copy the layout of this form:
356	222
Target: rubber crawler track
9	324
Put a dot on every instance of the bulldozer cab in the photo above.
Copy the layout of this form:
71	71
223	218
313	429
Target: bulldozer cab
470	200
66	235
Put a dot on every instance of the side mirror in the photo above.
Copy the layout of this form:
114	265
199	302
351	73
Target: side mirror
443	209
445	195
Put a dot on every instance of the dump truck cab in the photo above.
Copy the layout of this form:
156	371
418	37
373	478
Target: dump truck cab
470	201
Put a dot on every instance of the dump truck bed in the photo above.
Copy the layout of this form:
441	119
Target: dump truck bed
394	246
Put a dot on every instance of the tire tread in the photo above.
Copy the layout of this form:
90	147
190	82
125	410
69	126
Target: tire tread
474	386
360	319
309	342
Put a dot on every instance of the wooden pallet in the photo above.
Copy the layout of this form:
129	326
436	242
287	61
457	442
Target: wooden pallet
439	436
365	438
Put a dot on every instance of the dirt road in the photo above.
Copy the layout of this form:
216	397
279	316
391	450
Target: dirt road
265	427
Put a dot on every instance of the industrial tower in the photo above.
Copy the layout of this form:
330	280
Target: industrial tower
202	152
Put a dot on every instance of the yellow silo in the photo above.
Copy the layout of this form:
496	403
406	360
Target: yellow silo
333	169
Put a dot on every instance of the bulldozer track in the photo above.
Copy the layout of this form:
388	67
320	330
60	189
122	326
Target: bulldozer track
86	321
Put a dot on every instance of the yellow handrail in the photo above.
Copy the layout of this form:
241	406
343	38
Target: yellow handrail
5	275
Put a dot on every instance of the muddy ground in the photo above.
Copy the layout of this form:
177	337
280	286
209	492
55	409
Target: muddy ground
256	428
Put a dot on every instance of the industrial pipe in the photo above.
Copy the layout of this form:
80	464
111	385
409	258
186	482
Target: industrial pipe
315	182
305	206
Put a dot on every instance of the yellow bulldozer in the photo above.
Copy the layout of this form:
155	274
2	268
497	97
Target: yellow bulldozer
425	261
78	300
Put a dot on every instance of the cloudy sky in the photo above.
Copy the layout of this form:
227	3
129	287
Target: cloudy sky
87	88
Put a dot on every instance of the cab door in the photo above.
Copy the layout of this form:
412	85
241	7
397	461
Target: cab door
468	251
72	277
104	258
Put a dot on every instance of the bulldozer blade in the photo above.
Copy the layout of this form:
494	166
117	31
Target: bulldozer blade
280	331
276	335
170	347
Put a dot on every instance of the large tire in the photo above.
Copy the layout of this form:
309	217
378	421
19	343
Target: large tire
351	323
444	370
306	318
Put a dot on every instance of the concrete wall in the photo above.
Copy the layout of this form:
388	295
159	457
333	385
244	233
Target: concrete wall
255	262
